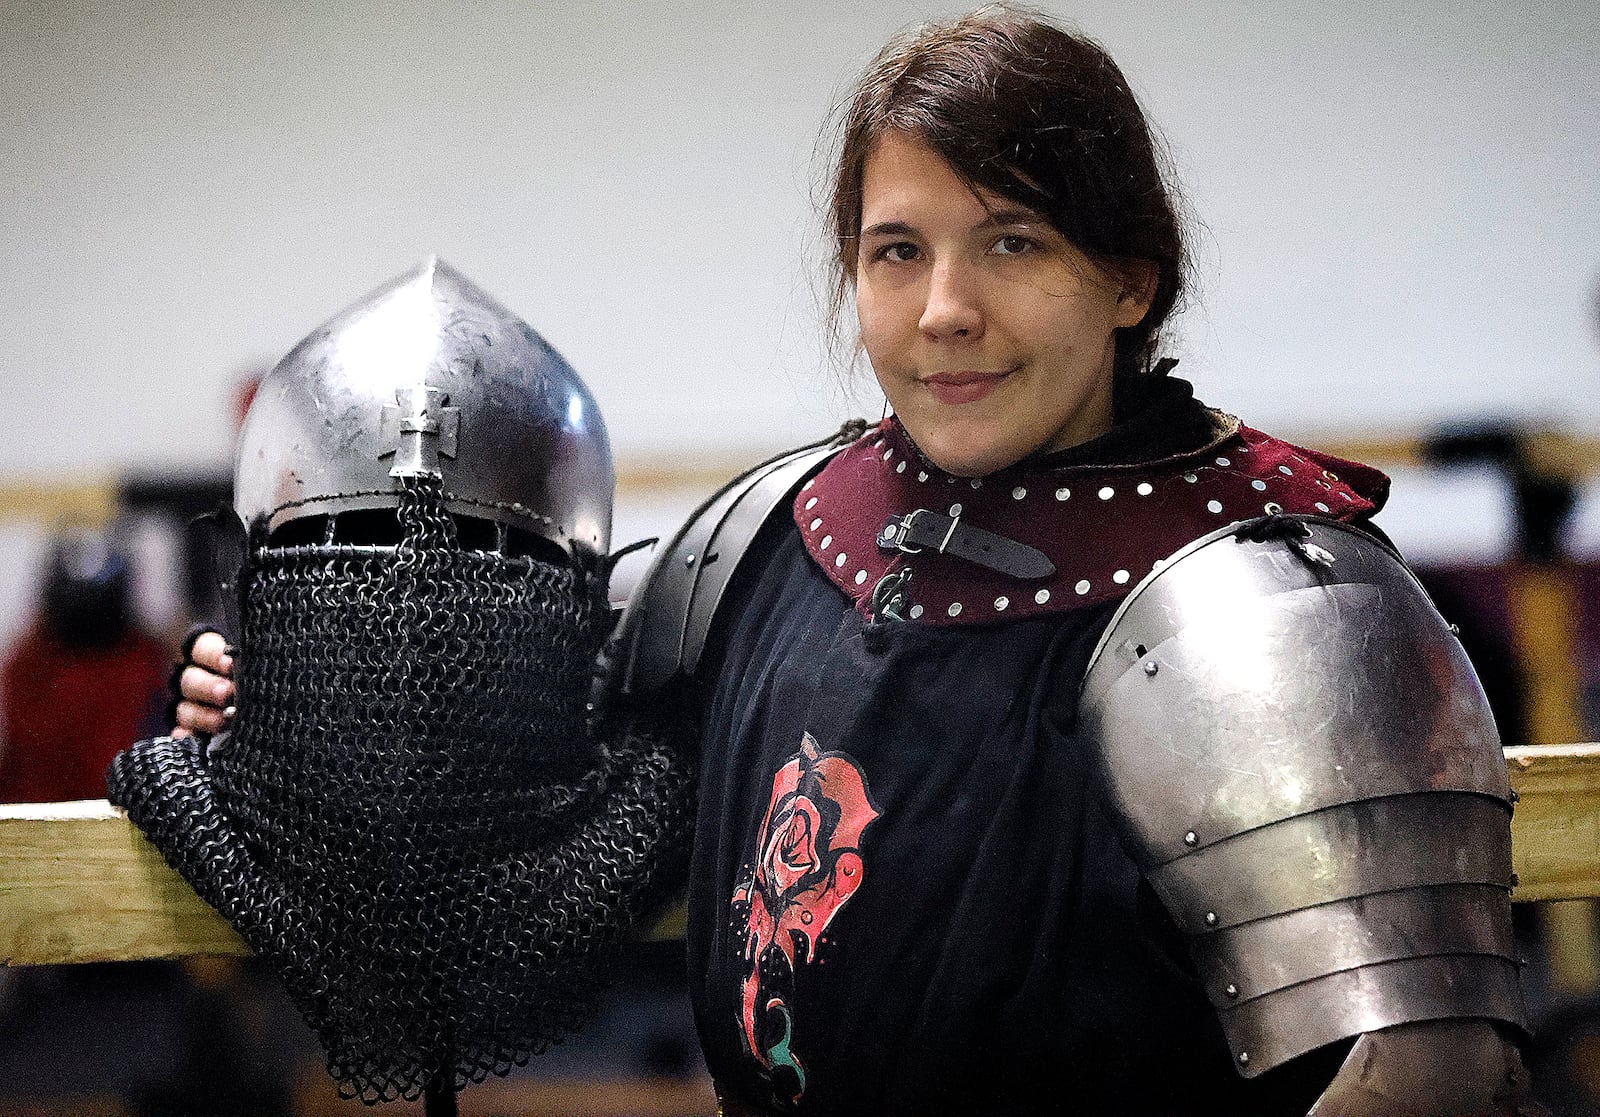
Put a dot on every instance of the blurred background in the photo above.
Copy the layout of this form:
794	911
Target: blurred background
1397	247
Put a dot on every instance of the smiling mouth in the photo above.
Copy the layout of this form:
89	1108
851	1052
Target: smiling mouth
966	386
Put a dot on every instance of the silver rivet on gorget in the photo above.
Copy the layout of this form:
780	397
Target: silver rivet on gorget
1063	494
1286	471
889	453
810	504
807	486
1259	486
861	576
1232	991
1191	477
1214	506
916	611
1191	839
1107	493
1120	577
1018	493
1041	597
1455	630
839	560
1001	602
922	475
955	609
827	541
1223	461
901	468
976	482
1145	488
1244	1058
1082	587
1272	508
816	523
1151	667
1346	495
1211	919
955	509
1321	507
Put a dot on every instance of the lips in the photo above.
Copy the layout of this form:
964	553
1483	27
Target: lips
966	386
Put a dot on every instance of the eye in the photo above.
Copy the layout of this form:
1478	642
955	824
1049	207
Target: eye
1014	244
898	252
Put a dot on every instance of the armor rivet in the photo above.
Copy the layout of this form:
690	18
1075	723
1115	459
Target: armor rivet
1330	475
901	468
1286	471
1151	667
1041	597
1321	507
976	482
1000	603
1120	577
1107	493
1214	506
1224	462
1232	991
1081	588
688	560
889	453
1191	838
1145	488
916	611
827	541
1455	630
817	522
1515	798
1346	495
955	609
861	576
922	475
810	504
840	558
1211	919
1018	493
1191	478
1063	494
1272	508
1259	485
955	509
1244	1058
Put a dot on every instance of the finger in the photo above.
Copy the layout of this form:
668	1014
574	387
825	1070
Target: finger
179	733
202	686
201	719
211	651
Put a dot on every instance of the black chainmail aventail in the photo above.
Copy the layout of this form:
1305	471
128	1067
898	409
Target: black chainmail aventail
410	821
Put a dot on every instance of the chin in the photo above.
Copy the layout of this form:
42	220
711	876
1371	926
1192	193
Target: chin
965	454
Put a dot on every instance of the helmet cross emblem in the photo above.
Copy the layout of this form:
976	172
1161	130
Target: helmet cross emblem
418	429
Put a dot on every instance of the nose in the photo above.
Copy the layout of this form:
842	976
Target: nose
953	310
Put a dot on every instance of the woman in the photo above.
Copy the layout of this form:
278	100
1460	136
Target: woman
905	894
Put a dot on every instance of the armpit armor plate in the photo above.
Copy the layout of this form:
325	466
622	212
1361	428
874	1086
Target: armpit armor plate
1306	770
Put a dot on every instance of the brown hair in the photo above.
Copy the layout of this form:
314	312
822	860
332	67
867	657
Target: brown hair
1035	114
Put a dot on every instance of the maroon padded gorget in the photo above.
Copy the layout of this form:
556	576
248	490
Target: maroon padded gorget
904	539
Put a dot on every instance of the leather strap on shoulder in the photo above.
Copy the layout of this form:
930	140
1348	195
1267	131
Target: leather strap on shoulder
668	617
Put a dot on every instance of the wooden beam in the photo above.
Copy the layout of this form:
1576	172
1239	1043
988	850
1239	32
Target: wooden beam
79	884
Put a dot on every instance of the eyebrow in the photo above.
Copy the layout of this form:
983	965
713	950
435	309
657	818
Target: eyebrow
996	219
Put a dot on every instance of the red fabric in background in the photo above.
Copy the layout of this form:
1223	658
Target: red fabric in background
65	712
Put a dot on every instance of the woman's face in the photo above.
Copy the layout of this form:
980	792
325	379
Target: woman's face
989	333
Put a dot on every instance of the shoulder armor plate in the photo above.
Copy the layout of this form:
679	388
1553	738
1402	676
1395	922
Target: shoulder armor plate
1303	763
668	617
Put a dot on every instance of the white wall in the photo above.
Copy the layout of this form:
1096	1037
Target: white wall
1399	203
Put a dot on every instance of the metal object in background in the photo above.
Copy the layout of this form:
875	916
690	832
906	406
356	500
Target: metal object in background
1312	736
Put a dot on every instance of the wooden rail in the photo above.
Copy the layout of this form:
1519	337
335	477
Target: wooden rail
79	884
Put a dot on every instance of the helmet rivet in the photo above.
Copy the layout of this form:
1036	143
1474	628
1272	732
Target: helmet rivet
1244	1058
1191	839
1232	990
688	560
1211	919
1151	667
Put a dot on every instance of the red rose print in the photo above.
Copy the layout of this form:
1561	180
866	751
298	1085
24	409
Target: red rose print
808	863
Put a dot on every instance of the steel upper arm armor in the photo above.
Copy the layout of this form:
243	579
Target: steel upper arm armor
1307	772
